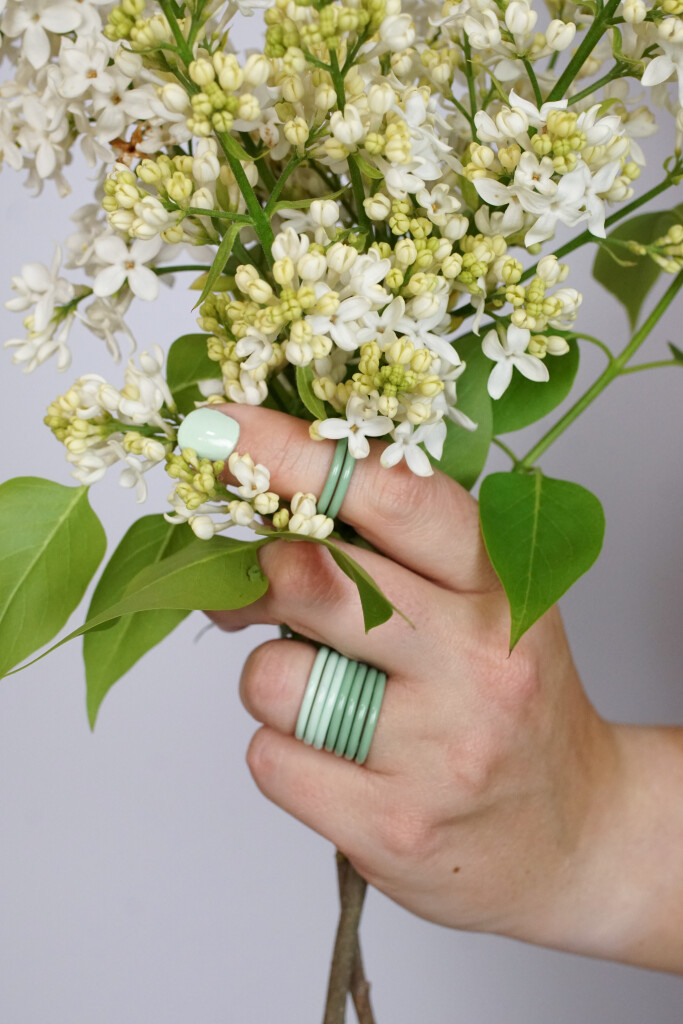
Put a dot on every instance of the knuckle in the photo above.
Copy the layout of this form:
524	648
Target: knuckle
407	834
301	573
473	766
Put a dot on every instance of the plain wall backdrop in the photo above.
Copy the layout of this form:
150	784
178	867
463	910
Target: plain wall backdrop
144	879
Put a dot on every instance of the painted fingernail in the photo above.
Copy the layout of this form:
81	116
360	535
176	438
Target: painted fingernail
210	433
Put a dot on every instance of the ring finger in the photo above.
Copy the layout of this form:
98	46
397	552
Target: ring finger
273	684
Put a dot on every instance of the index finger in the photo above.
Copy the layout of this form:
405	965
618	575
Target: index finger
428	524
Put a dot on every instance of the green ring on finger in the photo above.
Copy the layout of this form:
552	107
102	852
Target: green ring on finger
361	714
342	486
321	696
350	710
371	720
333	475
340	706
310	692
330	702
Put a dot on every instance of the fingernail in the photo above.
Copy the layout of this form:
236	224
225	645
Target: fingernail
210	433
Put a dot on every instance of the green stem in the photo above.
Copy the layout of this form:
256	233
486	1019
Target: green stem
470	81
463	110
236	218
595	341
651	366
184	48
260	220
196	268
534	81
354	171
586	236
616	72
615	368
588	44
508	451
278	186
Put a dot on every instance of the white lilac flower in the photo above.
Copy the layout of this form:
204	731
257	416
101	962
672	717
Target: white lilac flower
44	135
575	199
362	421
39	346
342	326
253	478
83	64
364	279
33	19
405	446
45	289
668	63
104	319
508	350
127	264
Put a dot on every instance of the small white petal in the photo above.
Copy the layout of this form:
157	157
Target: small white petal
109	280
499	378
144	283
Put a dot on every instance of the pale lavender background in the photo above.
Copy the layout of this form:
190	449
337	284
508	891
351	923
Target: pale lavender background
144	879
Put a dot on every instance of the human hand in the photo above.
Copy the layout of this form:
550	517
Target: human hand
492	793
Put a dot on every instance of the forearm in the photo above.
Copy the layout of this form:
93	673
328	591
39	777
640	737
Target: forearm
619	892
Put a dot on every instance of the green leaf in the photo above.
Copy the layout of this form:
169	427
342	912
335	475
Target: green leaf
631	285
465	452
541	535
367	169
114	648
51	542
526	401
215	574
376	607
218	265
303	204
304	385
234	148
676	352
188	362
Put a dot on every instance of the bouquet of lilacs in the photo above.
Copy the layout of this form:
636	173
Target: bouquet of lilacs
363	206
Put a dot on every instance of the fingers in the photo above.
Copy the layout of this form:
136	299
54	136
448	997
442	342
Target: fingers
272	687
428	524
332	796
310	593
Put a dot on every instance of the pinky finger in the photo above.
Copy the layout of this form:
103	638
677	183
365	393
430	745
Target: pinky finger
335	798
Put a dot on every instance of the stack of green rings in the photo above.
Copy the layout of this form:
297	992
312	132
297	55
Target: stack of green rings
341	705
338	479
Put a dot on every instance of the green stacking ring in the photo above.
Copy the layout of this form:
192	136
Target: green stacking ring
321	696
342	486
361	714
309	694
333	475
371	720
342	698
330	702
349	711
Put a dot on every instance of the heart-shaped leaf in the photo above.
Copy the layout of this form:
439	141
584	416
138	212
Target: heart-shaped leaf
541	535
51	543
525	401
465	451
304	384
188	362
109	652
215	574
631	285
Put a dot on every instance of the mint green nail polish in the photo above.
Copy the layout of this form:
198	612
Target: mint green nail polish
212	434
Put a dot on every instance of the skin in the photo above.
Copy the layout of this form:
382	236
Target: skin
494	798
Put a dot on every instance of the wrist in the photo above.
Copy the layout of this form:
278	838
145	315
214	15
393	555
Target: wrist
617	893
